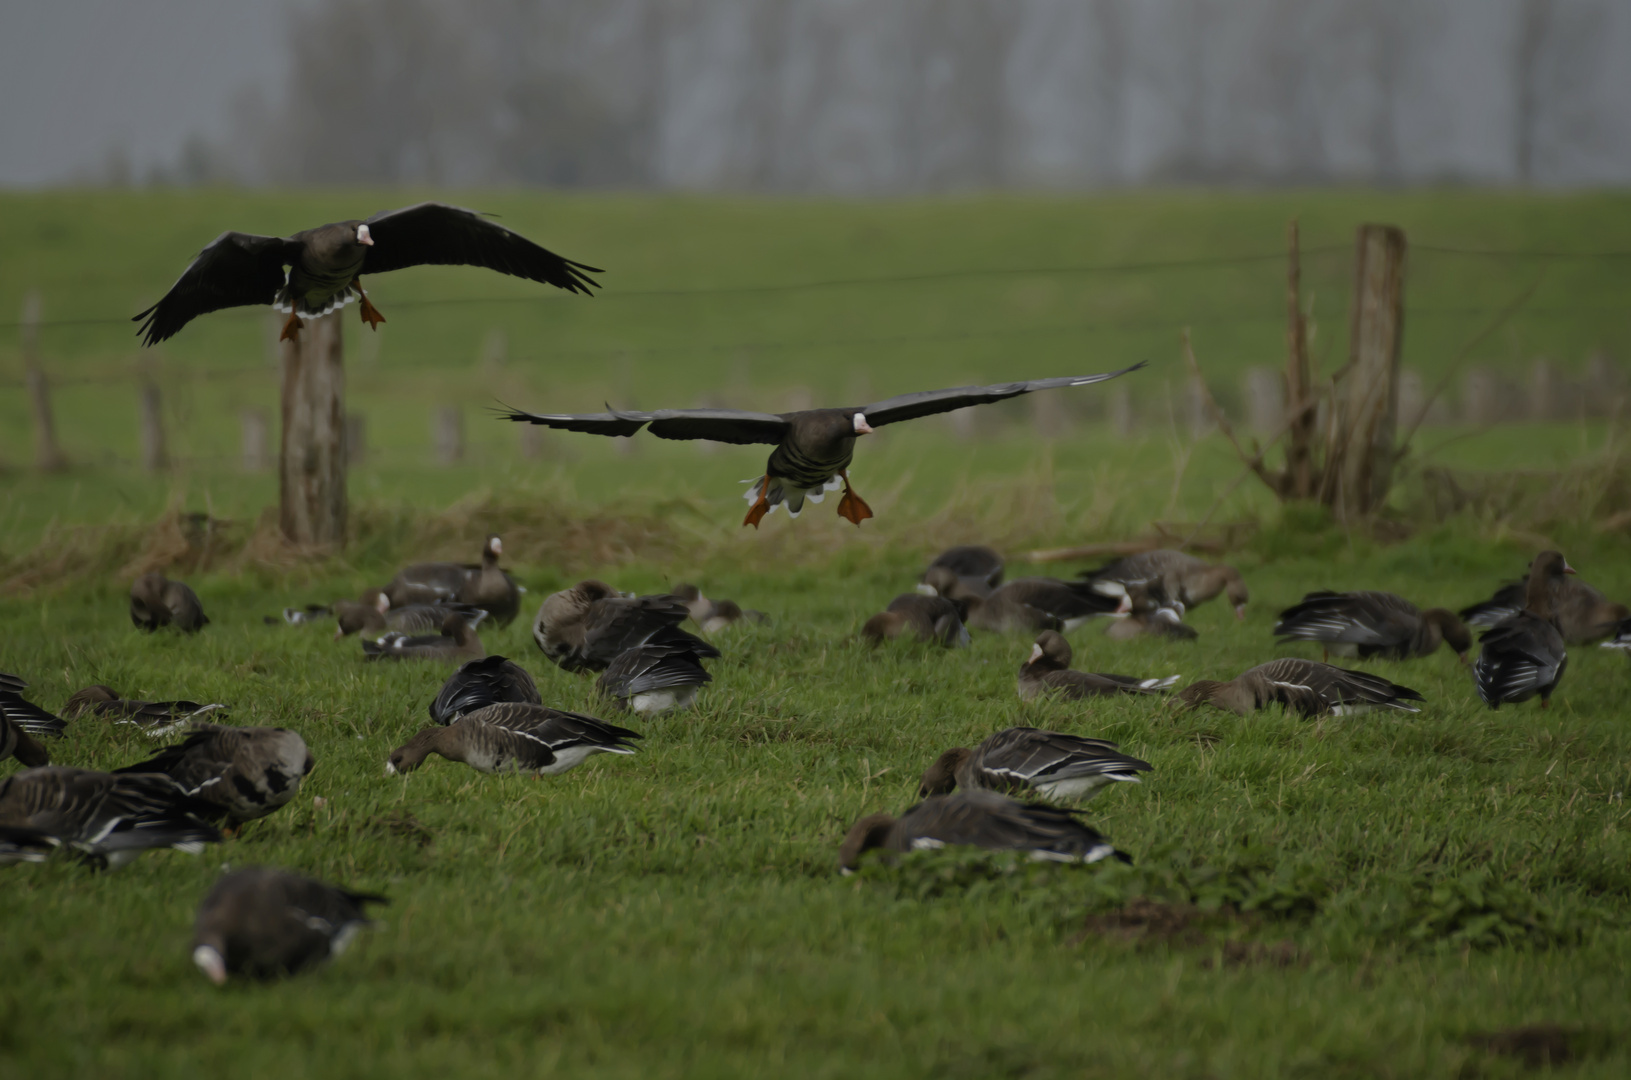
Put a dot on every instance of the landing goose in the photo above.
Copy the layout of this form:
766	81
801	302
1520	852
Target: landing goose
654	677
515	737
1524	655
1308	686
1029	761
1582	614
1027	605
457	642
814	447
978	570
156	717
479	683
246	773
157	601
1047	673
1367	624
108	818
1185	578
928	618
712	616
589	625
981	819
326	264
263	923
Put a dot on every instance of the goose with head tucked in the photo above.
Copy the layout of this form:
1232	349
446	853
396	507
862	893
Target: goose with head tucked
157	601
262	923
586	627
480	683
515	737
1027	605
977	568
927	618
1030	761
245	772
1184	578
982	819
1047	673
1306	686
1150	613
813	447
1525	655
457	642
1368	624
156	718
106	817
655	677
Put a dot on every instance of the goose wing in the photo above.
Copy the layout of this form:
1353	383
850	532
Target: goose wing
480	683
1033	756
928	402
234	270
1359	618
649	668
29	716
1507	602
433	233
1517	659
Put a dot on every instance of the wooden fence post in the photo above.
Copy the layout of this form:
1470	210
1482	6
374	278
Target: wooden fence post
155	455
311	481
447	430
1120	407
252	422
1299	475
47	453
1367	407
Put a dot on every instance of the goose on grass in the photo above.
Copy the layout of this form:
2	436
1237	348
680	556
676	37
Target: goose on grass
586	627
264	923
456	642
244	772
1029	761
106	817
1306	686
1367	624
480	683
1047	672
1525	655
655	677
514	737
157	601
927	618
982	819
977	568
1185	578
1582	613
1025	605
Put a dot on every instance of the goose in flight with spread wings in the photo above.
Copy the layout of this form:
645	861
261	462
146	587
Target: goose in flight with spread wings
326	264
814	447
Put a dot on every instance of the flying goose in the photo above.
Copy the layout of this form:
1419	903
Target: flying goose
813	447
326	264
457	641
1524	655
981	819
514	736
1027	760
929	618
479	683
1308	686
655	677
1185	578
245	773
1367	624
109	818
712	616
1026	605
1047	672
589	625
157	601
1582	613
264	923
977	568
156	717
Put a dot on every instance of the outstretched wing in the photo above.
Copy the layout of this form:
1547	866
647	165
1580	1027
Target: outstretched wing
928	402
719	425
437	234
606	423
235	270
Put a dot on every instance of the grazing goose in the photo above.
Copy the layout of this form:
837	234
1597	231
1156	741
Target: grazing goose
1150	614
1310	687
1185	578
157	717
157	601
1367	624
107	817
326	264
1026	605
1524	655
517	737
981	819
480	683
1582	614
814	447
264	923
246	773
655	677
1047	672
977	568
712	616
589	625
929	618
457	641
1027	760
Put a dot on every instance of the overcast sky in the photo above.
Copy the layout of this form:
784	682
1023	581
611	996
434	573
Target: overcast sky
79	78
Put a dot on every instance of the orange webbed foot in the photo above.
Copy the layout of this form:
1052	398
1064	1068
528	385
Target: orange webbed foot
370	314
291	328
757	511
852	507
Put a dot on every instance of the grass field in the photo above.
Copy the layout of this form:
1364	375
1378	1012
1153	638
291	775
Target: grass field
1373	894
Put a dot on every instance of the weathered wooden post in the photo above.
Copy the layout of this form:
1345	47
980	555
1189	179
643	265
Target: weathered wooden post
1367	405
47	454
311	481
1299	477
155	454
447	431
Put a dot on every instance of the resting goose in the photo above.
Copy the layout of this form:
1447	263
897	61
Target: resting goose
246	773
655	677
1582	614
107	817
1524	655
1367	624
977	568
447	582
514	737
354	616
18	743
488	587
27	717
264	923
814	447
157	717
326	264
1027	760
1185	578
1047	673
1026	605
479	683
712	616
589	625
457	641
982	819
1308	686
1150	614
157	601
928	618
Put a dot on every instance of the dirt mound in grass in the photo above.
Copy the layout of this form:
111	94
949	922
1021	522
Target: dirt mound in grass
1144	922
